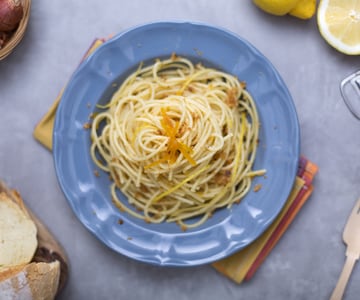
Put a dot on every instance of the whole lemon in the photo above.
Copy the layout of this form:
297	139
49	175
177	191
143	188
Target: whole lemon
304	9
276	7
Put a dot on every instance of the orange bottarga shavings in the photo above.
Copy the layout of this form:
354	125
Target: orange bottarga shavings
174	146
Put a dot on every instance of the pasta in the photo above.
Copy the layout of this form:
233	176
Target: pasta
179	140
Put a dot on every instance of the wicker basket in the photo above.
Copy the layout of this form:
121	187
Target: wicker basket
19	33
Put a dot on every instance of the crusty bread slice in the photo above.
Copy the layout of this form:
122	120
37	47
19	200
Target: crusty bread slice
32	281
18	240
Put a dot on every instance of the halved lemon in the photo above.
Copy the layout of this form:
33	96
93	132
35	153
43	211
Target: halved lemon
339	24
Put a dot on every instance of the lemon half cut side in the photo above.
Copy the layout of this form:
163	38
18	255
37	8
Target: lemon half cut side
339	24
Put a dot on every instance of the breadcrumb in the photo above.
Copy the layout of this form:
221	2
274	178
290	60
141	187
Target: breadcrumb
257	187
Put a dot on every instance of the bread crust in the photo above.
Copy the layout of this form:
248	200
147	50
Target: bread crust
31	281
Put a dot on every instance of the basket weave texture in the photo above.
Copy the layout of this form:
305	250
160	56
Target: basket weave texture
19	33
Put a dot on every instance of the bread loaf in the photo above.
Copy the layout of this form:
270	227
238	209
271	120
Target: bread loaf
34	281
33	265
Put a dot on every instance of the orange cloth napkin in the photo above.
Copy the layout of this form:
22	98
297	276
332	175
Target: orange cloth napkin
243	264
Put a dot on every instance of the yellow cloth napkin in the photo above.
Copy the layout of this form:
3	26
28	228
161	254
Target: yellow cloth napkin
307	171
237	265
43	130
243	264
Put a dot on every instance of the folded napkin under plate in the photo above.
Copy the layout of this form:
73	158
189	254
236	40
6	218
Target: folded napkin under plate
243	264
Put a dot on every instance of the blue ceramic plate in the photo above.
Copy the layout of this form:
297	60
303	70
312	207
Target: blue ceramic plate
229	229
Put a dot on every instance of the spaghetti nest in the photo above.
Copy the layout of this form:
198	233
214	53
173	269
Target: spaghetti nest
179	140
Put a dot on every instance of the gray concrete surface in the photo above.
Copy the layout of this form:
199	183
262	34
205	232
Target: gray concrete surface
307	261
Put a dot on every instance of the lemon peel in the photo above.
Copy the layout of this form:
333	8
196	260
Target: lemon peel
339	24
